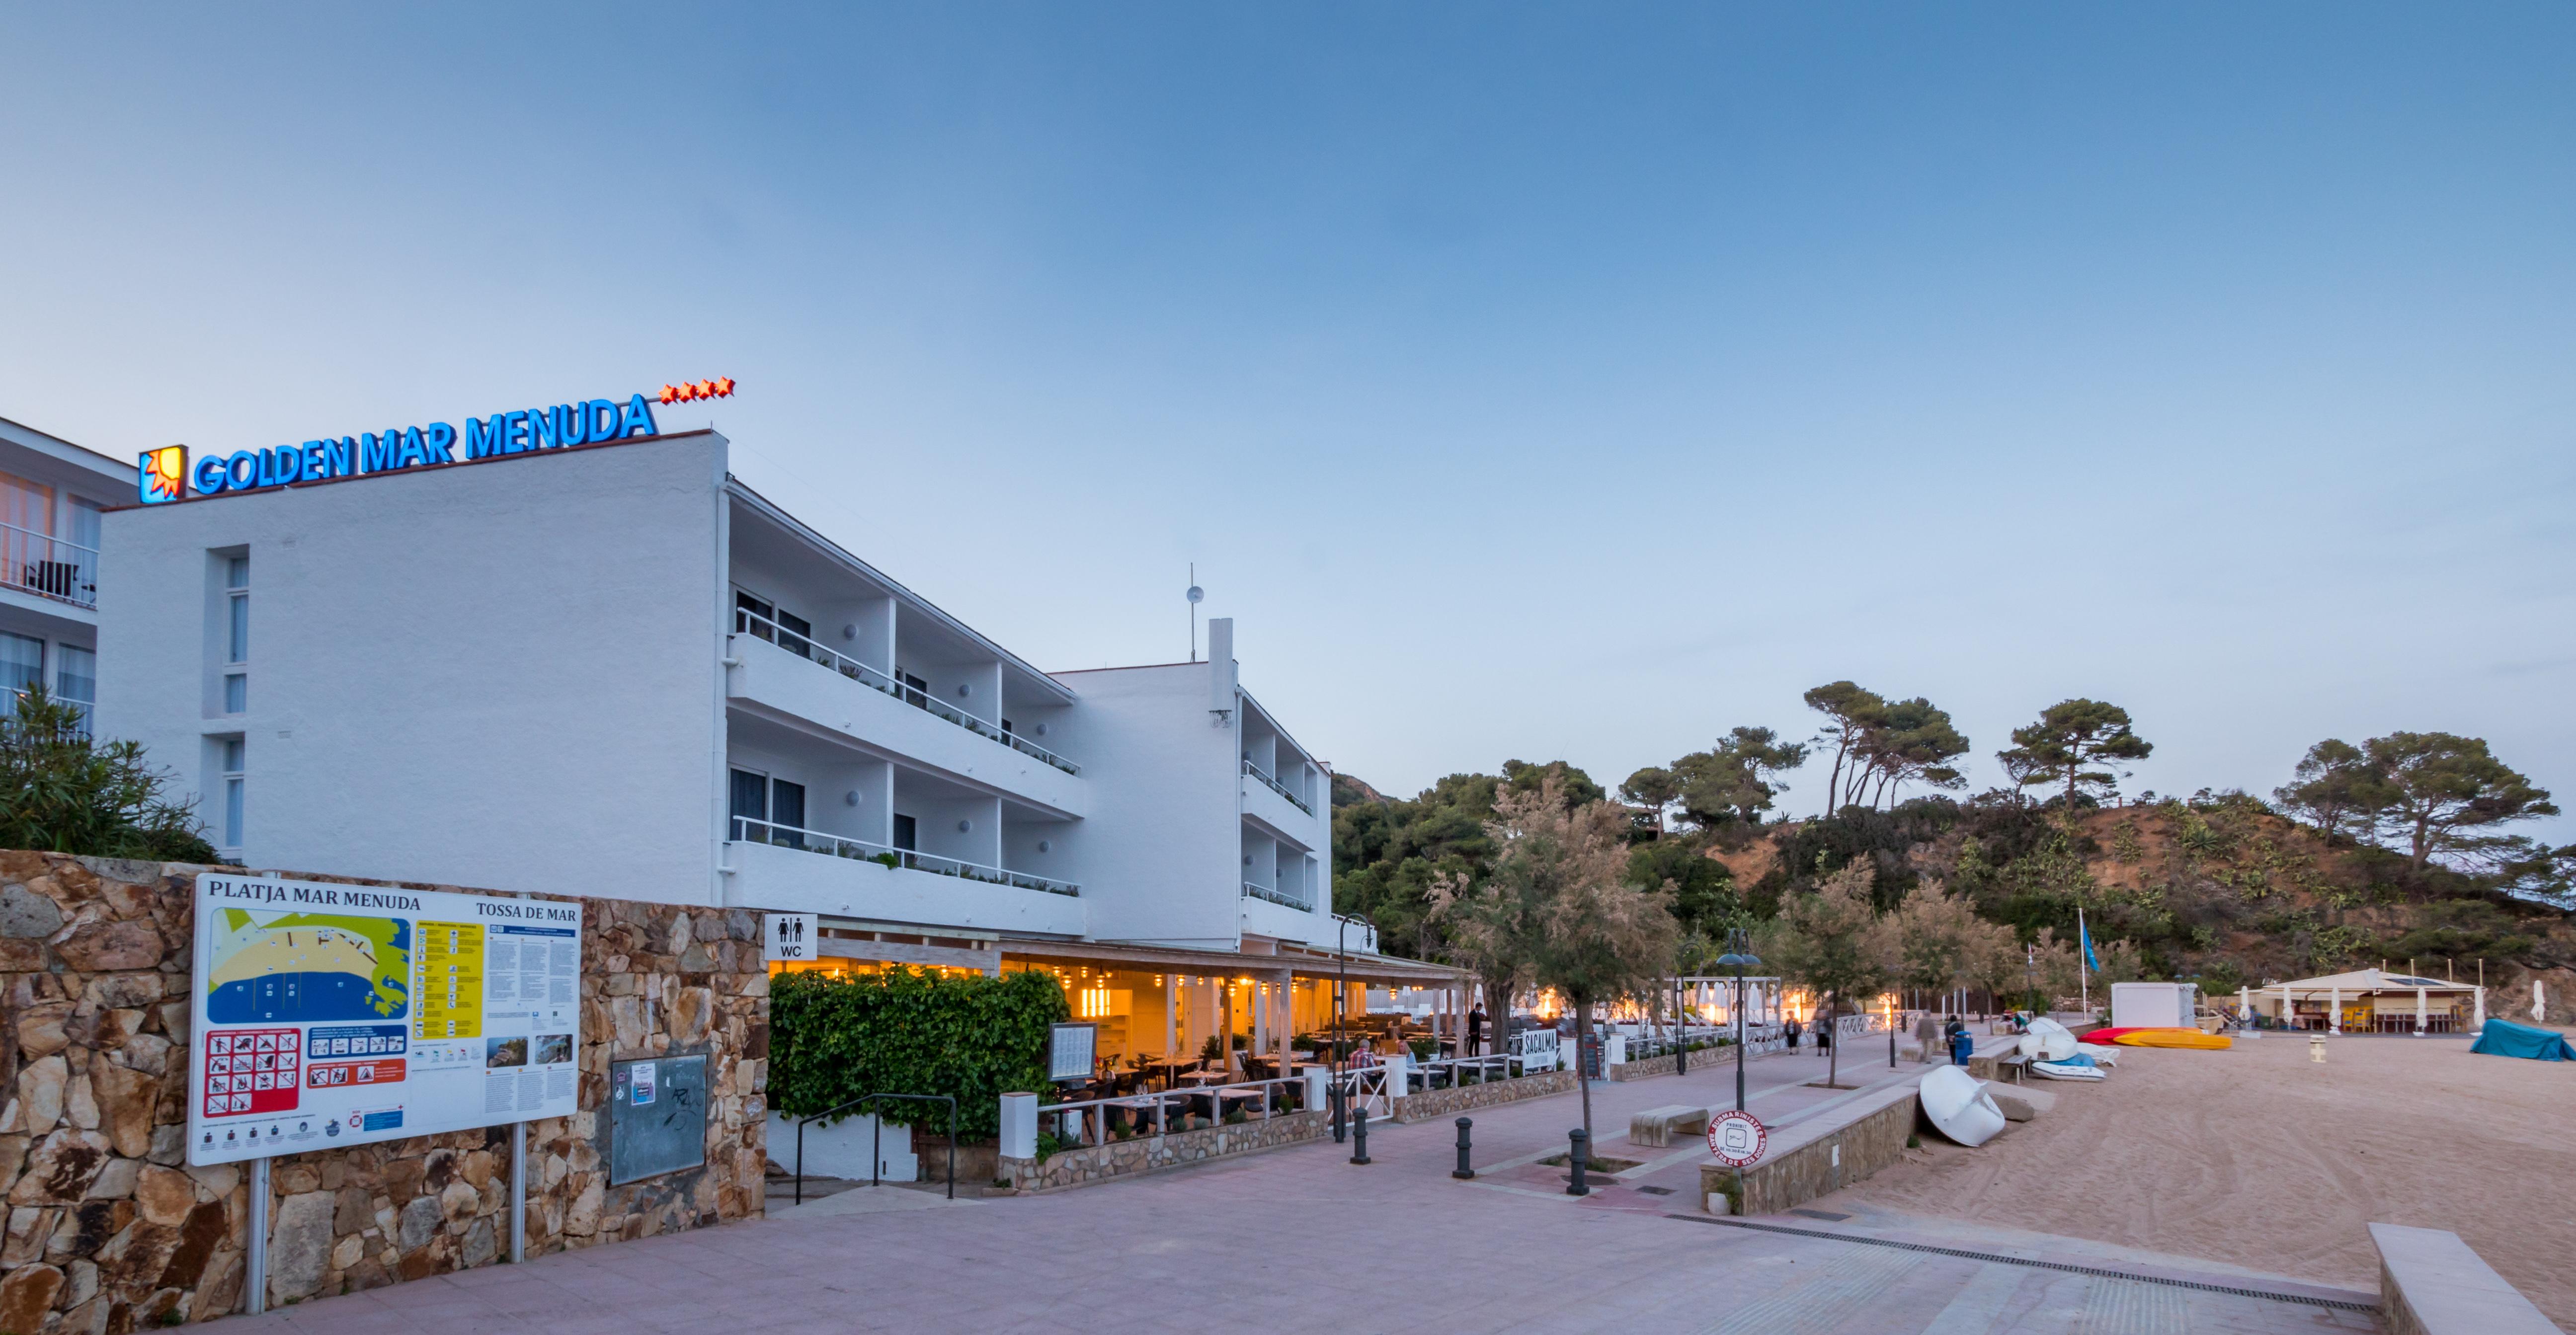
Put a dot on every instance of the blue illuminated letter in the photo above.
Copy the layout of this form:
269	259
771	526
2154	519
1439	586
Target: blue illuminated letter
440	440
600	420
638	419
337	455
412	451
315	465
541	426
482	439
571	423
243	469
210	474
514	435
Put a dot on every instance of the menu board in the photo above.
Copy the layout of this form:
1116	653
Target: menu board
341	1014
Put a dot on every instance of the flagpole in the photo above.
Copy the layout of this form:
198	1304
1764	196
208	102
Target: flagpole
2083	962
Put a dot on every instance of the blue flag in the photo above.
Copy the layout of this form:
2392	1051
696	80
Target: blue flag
2091	960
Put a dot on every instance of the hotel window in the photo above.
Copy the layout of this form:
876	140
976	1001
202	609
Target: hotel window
26	530
22	665
759	616
76	679
233	779
237	634
767	810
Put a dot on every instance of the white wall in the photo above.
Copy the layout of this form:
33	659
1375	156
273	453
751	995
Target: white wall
500	674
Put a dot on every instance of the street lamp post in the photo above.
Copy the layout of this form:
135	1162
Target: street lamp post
1342	990
1738	957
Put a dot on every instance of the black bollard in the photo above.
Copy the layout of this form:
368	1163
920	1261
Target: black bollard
1581	1157
1462	1170
1333	1096
1359	1135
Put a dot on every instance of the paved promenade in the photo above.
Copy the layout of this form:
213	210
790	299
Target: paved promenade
1298	1239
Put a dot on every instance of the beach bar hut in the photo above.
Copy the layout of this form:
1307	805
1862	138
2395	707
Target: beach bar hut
2374	1001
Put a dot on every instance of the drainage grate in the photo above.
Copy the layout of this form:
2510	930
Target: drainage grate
1654	1191
1821	1214
2337	1304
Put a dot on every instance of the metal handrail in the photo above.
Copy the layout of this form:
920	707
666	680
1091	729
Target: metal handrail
876	1141
862	850
74	581
748	622
1276	786
1276	896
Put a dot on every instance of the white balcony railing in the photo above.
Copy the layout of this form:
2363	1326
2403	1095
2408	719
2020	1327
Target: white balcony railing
749	831
747	622
48	566
1252	891
1276	786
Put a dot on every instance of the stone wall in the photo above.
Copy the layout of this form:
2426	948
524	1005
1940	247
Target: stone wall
1815	1158
1146	1154
109	1229
1456	1099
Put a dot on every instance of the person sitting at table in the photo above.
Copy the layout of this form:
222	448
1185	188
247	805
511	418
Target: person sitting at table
1363	1055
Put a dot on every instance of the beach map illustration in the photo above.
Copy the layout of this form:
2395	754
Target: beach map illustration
286	967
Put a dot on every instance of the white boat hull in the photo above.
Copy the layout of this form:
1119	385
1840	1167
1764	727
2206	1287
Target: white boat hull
1958	1106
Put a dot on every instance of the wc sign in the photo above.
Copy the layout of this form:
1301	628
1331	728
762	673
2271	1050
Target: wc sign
791	936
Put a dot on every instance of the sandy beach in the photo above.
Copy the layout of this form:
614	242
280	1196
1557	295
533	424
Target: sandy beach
2259	1157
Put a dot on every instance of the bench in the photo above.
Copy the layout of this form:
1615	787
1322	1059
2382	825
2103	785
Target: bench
2430	1283
1658	1126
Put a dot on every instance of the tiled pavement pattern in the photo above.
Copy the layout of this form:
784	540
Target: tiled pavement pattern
1297	1239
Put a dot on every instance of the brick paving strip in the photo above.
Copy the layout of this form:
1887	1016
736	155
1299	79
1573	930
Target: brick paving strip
1298	1240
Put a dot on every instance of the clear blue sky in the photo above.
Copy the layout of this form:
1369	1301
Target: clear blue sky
1528	381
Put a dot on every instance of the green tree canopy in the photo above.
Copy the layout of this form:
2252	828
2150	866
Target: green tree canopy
1908	741
2072	745
2335	788
1653	788
1850	711
2442	794
1830	942
1734	780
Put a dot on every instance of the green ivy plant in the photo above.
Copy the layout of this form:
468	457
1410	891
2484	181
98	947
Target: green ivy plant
905	1031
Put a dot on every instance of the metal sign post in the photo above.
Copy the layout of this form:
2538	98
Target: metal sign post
256	1282
518	1192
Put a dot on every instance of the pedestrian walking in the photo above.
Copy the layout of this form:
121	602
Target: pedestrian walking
1927	1032
1476	1030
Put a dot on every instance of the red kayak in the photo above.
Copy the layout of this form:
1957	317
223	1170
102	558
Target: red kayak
2107	1037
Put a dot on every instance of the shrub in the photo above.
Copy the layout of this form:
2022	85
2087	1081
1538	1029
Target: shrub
833	1039
62	792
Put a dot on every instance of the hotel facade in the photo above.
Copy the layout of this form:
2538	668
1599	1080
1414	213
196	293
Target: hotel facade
613	669
53	498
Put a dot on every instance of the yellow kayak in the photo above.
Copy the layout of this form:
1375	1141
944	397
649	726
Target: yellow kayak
2171	1038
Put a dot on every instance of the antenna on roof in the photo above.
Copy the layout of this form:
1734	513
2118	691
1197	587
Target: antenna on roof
1194	595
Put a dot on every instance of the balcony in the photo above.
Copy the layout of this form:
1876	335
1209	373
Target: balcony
762	628
48	567
1277	787
833	845
783	869
1280	897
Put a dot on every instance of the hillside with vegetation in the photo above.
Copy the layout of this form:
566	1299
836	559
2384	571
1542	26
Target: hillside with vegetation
2393	850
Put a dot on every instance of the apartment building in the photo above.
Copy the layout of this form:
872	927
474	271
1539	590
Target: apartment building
614	669
52	496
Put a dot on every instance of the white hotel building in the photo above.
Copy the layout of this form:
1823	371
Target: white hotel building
52	498
615	670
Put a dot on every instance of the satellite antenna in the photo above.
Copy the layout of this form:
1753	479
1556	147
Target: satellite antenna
1194	595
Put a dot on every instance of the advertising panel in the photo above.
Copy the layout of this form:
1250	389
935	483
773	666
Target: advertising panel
341	1014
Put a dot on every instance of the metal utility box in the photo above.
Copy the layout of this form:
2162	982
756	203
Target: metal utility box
657	1117
2154	1005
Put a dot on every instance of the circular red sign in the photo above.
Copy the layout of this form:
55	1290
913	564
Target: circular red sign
1736	1138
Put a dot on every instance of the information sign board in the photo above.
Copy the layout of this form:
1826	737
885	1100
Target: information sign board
342	1014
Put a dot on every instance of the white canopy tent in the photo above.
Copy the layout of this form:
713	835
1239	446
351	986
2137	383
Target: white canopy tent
2370	1001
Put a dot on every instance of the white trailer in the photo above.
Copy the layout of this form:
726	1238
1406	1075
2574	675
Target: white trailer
2154	1005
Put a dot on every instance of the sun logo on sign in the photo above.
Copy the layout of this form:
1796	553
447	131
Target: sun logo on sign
162	474
690	391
